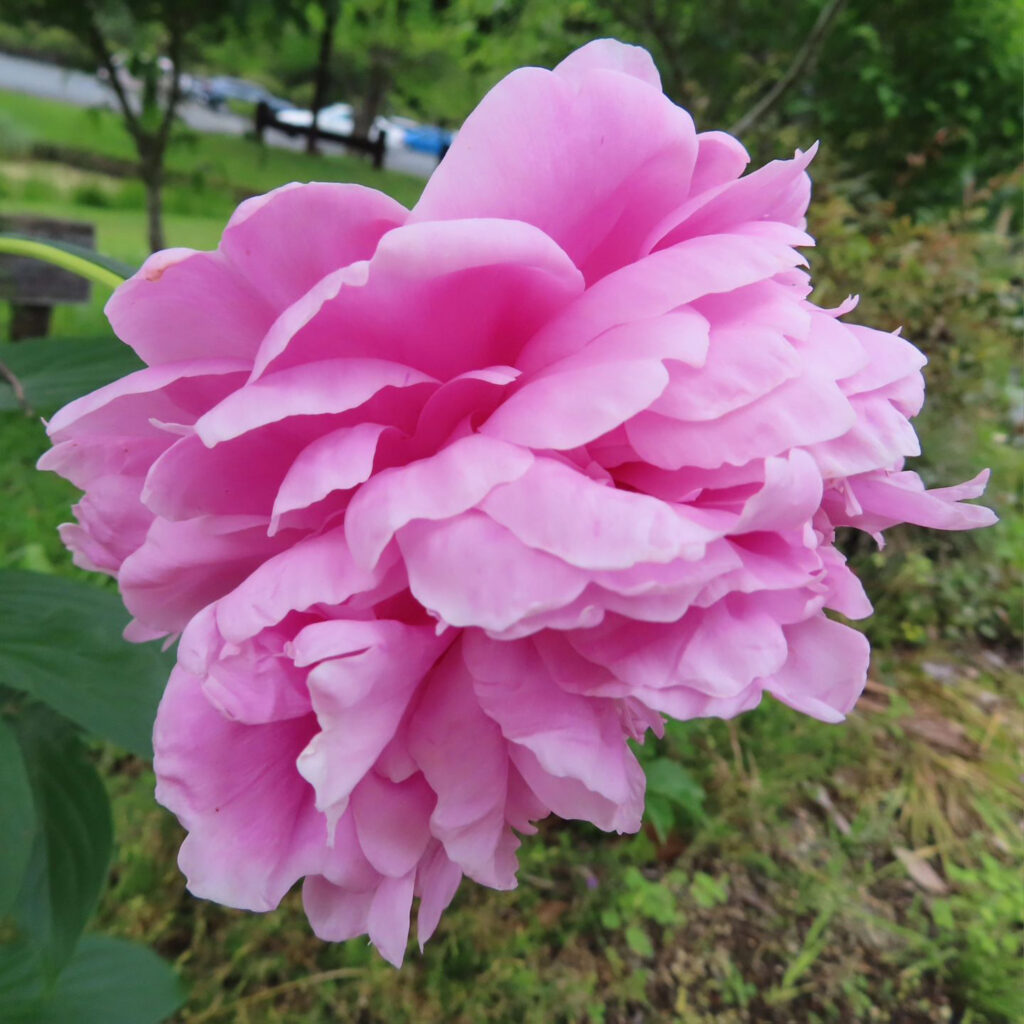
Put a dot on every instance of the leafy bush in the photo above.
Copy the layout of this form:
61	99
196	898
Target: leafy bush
92	194
983	921
63	668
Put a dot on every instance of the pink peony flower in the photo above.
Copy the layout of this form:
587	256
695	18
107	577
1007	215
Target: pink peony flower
450	504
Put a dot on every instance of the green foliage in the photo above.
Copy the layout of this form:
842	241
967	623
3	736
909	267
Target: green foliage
53	371
923	95
107	981
71	843
674	799
983	920
709	892
32	504
135	23
44	41
60	643
18	814
57	848
15	137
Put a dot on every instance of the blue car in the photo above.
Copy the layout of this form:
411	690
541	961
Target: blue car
428	138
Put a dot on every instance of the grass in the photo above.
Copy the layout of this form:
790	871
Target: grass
223	162
791	872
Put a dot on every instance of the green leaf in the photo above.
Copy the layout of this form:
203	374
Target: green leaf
107	981
611	919
20	982
53	372
708	891
639	941
112	981
659	813
669	779
60	642
100	269
17	813
72	842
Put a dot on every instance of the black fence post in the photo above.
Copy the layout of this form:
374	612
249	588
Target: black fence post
263	118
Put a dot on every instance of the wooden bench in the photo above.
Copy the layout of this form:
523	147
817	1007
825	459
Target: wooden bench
32	287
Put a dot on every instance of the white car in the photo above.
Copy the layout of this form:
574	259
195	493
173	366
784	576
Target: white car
393	129
336	118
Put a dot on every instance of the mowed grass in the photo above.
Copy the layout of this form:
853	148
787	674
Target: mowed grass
204	160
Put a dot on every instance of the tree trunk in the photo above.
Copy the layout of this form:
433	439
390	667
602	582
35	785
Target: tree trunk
323	68
377	87
152	174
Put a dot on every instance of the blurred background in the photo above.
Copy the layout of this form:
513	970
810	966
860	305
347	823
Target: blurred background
788	871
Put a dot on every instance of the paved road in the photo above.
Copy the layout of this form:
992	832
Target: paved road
35	78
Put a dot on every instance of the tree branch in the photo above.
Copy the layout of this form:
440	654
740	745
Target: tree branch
102	51
174	52
804	56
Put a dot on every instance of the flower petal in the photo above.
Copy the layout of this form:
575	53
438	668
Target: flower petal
454	480
253	831
609	156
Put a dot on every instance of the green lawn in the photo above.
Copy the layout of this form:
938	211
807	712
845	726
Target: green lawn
203	160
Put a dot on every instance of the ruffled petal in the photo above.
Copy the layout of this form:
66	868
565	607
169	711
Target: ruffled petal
825	671
609	55
450	732
184	566
454	480
454	564
342	224
444	298
596	197
570	749
366	675
253	830
609	528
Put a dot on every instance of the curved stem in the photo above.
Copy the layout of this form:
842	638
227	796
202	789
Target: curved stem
60	258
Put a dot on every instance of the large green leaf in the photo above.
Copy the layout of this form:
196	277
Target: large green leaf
112	981
53	372
21	983
107	981
60	642
72	842
18	816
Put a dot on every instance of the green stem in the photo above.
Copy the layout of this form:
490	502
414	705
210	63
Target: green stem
60	258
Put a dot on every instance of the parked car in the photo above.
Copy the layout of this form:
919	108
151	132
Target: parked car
393	130
429	138
221	88
336	117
